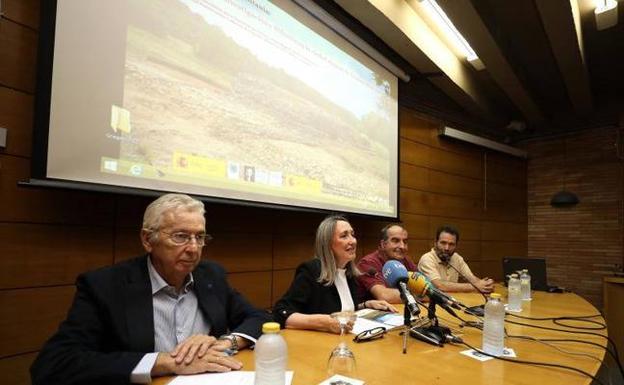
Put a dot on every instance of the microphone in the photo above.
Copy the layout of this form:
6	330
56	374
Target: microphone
420	286
371	272
478	310
395	275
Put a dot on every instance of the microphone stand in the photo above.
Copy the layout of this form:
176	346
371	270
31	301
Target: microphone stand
407	322
479	310
431	312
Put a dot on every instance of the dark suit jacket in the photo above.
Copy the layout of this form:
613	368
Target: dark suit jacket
308	296
110	325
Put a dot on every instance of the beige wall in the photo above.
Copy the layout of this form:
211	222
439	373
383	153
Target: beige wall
48	236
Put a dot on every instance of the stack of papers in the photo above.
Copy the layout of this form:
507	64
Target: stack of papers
369	318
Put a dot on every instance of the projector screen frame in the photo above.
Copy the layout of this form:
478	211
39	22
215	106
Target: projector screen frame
41	123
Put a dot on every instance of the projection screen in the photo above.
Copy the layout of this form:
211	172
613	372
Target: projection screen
246	100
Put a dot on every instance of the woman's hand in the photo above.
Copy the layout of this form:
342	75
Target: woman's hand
332	325
380	305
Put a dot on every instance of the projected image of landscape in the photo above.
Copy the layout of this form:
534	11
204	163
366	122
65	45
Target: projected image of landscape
239	99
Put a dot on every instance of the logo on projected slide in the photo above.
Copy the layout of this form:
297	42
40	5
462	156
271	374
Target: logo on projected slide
136	169
110	165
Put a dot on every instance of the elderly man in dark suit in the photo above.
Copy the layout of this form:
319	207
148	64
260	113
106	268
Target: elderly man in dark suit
163	313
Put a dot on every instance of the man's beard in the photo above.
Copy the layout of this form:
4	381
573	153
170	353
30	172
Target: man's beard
445	257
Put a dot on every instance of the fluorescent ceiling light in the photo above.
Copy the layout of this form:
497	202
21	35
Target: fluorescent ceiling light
483	142
439	17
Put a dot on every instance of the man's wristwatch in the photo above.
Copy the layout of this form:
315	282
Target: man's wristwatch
232	339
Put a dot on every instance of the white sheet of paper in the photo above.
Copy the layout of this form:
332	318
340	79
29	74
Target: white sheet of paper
363	324
229	378
389	321
338	377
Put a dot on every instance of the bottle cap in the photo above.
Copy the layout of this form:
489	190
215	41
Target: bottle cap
270	327
495	295
514	275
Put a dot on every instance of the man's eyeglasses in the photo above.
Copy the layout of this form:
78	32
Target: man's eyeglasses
370	334
182	238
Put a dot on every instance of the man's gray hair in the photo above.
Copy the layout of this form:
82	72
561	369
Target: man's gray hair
384	231
168	202
323	251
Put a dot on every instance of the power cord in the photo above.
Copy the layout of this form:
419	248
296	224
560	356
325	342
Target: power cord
609	340
531	362
546	340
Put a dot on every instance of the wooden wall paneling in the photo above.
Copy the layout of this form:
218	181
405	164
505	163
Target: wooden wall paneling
508	194
129	211
18	56
500	249
414	153
291	222
22	11
366	245
414	201
238	252
499	211
504	231
281	282
365	227
37	205
418	247
28	317
291	250
492	268
127	244
245	219
507	170
468	229
456	164
44	255
16	370
255	287
440	182
470	250
16	115
414	127
417	226
477	269
414	177
455	207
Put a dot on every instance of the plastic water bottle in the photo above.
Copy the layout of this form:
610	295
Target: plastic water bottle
514	296
494	326
525	285
271	355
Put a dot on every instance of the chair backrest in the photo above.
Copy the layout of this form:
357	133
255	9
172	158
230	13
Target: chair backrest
536	267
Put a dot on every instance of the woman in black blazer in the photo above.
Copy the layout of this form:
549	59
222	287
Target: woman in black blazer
327	283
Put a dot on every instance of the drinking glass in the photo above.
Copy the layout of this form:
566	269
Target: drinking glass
343	318
341	361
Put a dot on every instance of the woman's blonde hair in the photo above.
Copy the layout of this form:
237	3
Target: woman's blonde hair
323	251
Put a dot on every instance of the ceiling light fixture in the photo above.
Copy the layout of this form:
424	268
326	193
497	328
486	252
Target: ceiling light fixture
450	132
606	13
439	17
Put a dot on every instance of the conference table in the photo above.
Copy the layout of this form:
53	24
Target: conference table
382	361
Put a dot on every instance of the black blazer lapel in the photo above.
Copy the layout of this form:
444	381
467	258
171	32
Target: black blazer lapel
209	304
137	299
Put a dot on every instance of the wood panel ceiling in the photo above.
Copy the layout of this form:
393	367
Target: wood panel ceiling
541	72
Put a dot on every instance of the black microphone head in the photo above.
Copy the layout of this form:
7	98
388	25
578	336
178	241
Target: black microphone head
371	272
